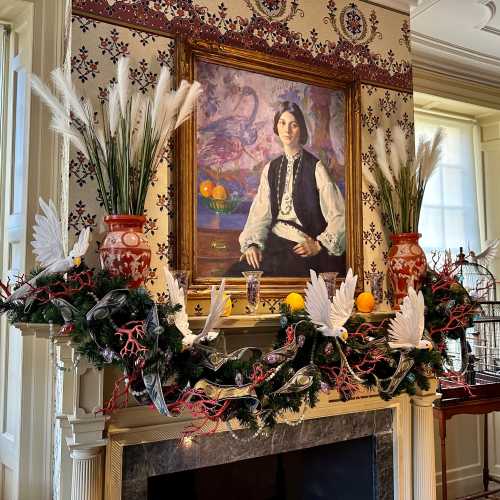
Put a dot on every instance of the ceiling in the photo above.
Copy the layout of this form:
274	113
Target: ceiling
460	37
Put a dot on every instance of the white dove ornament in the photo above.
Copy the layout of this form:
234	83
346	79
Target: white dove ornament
486	257
217	304
407	328
330	317
48	248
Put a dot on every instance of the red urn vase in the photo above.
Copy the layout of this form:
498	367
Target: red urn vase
125	250
407	265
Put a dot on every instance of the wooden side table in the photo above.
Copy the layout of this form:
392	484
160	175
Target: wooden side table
444	410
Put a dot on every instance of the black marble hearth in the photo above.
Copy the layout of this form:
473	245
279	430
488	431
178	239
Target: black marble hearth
336	458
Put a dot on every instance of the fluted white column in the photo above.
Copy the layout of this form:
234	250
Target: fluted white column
424	463
88	474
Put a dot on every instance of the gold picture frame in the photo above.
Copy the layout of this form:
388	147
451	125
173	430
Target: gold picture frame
190	54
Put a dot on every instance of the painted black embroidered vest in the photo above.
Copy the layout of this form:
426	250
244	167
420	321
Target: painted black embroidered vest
305	192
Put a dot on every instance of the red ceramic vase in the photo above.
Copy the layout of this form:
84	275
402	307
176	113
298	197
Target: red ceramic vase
407	265
125	250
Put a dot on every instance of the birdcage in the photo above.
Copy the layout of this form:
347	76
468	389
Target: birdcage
475	278
474	366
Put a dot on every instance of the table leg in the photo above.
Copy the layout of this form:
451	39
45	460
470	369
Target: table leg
442	437
486	470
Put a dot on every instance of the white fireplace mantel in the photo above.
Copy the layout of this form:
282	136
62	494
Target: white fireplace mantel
87	463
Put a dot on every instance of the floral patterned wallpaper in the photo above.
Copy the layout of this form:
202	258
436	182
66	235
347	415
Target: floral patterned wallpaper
370	41
96	48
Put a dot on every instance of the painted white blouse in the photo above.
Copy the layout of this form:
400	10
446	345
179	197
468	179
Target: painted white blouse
259	220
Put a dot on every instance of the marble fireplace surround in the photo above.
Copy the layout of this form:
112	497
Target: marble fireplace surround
142	461
402	429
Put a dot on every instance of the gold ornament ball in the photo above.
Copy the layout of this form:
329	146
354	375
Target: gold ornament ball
228	308
295	301
365	302
457	288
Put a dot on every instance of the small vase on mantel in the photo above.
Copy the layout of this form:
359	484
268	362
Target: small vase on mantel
125	250
406	264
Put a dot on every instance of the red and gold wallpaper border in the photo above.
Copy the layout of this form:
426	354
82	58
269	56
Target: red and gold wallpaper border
349	53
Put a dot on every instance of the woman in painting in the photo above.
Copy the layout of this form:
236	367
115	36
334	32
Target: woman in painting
297	219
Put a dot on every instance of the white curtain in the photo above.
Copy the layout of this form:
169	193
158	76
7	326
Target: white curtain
449	217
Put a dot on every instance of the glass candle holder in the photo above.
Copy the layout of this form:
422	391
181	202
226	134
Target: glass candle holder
182	276
253	289
377	288
330	279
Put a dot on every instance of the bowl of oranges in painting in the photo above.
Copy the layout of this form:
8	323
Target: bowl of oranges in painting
217	198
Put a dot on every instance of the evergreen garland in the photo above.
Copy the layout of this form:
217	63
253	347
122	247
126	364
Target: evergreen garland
449	311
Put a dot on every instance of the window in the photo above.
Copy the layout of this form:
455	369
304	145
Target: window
4	57
449	217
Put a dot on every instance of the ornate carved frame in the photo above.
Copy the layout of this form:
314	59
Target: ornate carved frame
189	54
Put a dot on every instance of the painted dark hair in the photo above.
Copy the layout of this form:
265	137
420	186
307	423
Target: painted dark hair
293	108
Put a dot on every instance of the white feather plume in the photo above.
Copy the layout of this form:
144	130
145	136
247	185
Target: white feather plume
399	155
369	177
189	103
162	87
382	156
428	155
176	101
60	124
122	74
67	90
113	108
55	106
139	110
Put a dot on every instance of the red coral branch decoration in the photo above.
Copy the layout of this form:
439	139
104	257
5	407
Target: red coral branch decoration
200	406
120	395
5	289
341	379
132	330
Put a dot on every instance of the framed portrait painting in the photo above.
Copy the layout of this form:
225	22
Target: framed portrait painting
269	174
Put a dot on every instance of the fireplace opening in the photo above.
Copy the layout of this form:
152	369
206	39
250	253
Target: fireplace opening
337	471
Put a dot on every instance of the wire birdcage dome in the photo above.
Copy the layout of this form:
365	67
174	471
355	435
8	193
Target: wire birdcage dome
475	278
474	358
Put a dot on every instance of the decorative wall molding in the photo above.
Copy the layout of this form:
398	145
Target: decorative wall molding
450	48
435	80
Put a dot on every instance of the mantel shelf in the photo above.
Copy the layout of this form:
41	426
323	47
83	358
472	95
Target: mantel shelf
260	321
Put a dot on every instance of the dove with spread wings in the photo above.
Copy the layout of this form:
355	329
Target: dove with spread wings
49	251
330	316
217	303
485	257
407	327
406	331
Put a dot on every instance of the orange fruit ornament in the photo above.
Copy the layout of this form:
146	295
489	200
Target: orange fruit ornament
365	302
219	192
228	308
295	301
206	188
